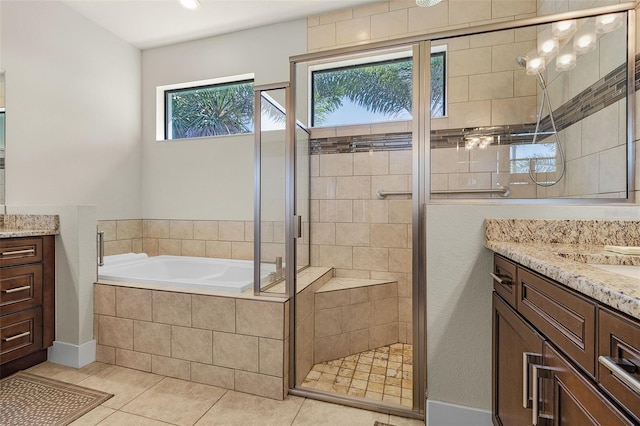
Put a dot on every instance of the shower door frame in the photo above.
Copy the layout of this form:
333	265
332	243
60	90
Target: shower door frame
421	45
421	54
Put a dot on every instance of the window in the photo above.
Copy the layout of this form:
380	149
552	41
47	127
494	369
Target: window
209	110
372	92
542	154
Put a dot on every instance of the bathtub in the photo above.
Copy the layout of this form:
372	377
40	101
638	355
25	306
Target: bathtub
201	273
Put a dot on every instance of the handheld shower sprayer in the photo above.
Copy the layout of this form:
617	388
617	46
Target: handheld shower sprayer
522	61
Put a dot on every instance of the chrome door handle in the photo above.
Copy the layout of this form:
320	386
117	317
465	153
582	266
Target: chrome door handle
17	336
616	367
501	279
539	372
15	252
527	358
16	289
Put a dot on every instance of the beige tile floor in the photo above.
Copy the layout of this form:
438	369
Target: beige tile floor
149	399
382	374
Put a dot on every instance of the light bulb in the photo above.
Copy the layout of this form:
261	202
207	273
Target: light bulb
585	43
535	65
585	38
563	29
566	60
608	23
547	45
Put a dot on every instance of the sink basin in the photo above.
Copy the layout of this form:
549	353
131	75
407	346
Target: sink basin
632	271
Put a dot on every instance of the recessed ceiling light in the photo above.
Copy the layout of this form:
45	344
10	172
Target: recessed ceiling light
190	4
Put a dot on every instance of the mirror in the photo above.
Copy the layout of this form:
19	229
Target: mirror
2	135
535	113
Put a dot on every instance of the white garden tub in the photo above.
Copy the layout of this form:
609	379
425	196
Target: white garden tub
200	273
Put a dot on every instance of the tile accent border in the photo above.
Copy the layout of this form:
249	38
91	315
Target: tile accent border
604	92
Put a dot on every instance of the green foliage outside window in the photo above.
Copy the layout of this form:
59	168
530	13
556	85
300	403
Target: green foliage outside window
382	88
224	109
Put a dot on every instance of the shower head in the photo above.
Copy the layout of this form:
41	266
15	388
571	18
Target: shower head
522	61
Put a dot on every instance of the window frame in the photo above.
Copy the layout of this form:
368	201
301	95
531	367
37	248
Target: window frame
372	61
161	107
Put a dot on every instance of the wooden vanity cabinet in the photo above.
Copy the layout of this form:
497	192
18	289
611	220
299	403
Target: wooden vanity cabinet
570	398
27	301
514	343
545	355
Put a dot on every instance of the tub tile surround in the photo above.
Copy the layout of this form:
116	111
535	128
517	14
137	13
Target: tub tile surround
27	225
562	249
200	238
233	343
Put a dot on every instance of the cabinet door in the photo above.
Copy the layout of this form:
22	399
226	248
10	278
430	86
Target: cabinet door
563	317
570	398
512	339
619	359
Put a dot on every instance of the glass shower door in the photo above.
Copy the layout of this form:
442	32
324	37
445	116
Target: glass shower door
270	191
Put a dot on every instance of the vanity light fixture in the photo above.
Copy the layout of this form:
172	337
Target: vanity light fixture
427	3
190	4
608	23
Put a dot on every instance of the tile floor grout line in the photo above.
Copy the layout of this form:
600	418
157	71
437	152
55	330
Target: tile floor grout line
298	412
212	405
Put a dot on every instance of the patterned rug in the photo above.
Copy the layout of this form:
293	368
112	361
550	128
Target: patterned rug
33	400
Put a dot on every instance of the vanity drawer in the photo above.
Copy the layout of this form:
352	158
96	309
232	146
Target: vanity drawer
20	288
566	318
20	251
20	334
504	279
619	343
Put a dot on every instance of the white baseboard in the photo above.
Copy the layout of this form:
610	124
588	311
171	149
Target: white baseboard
445	414
71	355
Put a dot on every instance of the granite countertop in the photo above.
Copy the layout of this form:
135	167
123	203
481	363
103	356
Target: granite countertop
12	233
566	264
21	225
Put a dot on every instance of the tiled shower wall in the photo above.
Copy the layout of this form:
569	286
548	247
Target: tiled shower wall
358	234
202	238
486	87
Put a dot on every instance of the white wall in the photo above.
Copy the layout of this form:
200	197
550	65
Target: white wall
73	111
459	292
209	178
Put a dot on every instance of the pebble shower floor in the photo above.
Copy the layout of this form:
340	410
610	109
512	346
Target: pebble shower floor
381	374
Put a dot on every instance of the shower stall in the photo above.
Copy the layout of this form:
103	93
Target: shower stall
520	110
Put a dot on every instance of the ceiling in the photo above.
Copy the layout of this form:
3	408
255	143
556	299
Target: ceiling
152	23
